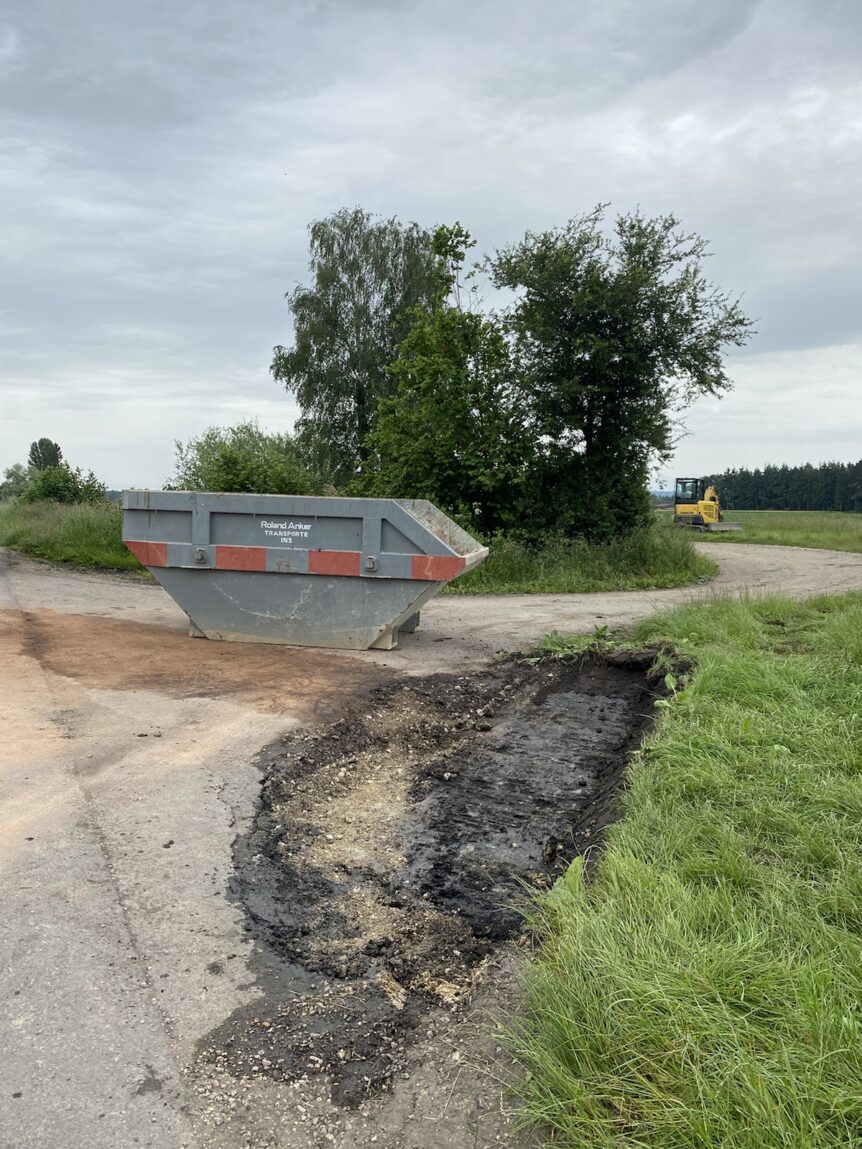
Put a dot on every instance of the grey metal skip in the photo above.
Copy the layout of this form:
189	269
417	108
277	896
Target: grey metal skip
345	573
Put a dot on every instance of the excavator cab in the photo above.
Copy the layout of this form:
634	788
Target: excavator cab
695	504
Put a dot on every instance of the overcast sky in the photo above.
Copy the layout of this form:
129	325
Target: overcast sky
161	160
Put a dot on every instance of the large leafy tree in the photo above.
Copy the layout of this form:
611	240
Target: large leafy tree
618	333
368	274
44	453
456	431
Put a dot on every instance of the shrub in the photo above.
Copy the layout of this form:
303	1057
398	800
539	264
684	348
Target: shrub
63	484
242	458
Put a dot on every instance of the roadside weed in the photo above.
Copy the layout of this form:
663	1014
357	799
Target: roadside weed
84	534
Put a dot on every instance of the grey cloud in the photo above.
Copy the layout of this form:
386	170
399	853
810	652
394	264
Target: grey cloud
161	162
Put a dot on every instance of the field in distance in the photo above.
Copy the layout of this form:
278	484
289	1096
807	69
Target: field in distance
826	530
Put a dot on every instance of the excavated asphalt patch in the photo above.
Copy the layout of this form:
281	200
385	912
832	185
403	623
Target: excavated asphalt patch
391	851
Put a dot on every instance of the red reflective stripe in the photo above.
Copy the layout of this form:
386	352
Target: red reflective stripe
149	554
437	568
334	562
240	558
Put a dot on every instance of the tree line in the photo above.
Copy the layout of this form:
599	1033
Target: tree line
827	487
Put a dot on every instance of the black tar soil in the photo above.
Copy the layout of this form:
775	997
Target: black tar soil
392	852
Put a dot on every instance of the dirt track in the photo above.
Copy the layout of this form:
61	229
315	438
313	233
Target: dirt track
127	770
475	626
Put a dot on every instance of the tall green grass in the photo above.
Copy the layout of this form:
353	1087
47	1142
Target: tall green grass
826	530
651	558
85	534
704	988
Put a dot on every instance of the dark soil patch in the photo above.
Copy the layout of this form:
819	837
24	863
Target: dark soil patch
391	852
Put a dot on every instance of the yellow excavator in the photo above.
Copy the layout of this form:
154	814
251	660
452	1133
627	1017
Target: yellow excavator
697	505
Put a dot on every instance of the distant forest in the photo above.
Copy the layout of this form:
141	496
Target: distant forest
829	487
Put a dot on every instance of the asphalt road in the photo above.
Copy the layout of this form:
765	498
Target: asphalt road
127	765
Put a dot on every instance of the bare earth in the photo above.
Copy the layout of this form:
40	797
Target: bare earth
127	768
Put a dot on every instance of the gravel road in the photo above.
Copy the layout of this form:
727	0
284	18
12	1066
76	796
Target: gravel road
127	768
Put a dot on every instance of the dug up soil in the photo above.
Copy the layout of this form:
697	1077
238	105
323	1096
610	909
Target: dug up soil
387	867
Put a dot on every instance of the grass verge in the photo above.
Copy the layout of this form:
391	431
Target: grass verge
704	988
85	534
823	530
659	557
